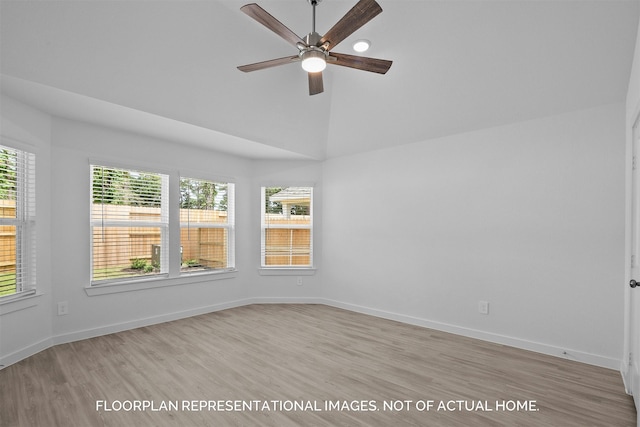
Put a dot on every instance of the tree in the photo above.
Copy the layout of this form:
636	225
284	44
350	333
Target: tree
132	188
299	209
8	180
272	207
223	204
144	190
200	194
108	185
121	187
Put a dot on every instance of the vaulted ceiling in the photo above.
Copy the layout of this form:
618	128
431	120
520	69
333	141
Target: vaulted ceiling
168	69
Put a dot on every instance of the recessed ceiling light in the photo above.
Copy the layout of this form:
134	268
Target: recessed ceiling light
361	45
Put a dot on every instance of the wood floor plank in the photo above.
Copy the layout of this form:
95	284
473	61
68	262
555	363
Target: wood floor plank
312	355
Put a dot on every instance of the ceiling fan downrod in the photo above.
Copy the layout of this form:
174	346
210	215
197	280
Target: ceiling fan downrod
314	3
313	38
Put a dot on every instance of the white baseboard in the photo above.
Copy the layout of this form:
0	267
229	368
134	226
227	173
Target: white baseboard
139	323
25	352
625	372
579	356
287	300
591	359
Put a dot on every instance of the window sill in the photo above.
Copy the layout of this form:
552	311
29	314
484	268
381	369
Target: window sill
283	271
19	303
114	288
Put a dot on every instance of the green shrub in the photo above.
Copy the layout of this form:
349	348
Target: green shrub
138	264
148	268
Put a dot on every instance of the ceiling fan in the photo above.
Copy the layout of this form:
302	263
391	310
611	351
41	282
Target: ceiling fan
314	50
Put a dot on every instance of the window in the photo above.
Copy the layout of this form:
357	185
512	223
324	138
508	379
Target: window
206	225
17	223
287	227
133	213
129	224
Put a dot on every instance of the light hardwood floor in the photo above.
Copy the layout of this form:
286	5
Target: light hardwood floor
306	355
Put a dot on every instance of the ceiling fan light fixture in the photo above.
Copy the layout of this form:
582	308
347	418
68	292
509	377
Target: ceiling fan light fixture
361	45
313	61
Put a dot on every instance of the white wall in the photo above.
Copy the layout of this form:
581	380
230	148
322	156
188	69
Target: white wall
529	217
31	318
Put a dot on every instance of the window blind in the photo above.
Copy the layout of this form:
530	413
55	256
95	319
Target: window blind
287	227
129	224
206	225
17	223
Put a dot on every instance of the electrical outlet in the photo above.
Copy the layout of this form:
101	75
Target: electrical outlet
63	308
299	280
483	307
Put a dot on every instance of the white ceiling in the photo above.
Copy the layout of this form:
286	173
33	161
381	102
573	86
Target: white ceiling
168	69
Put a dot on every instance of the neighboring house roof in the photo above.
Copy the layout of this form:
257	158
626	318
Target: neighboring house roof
293	195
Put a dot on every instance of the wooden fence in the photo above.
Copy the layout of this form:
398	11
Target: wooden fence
119	246
7	238
7	249
284	245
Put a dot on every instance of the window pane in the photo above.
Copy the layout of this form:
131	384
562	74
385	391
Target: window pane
203	248
287	226
129	218
199	194
287	246
206	224
120	252
8	193
8	182
126	187
17	222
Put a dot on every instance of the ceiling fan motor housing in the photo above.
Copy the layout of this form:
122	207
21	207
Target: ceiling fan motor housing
313	52
312	49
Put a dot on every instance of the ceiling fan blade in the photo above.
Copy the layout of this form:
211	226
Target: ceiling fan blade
263	17
315	83
374	65
268	64
363	12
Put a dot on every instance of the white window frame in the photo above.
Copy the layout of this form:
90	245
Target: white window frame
172	276
25	223
285	269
